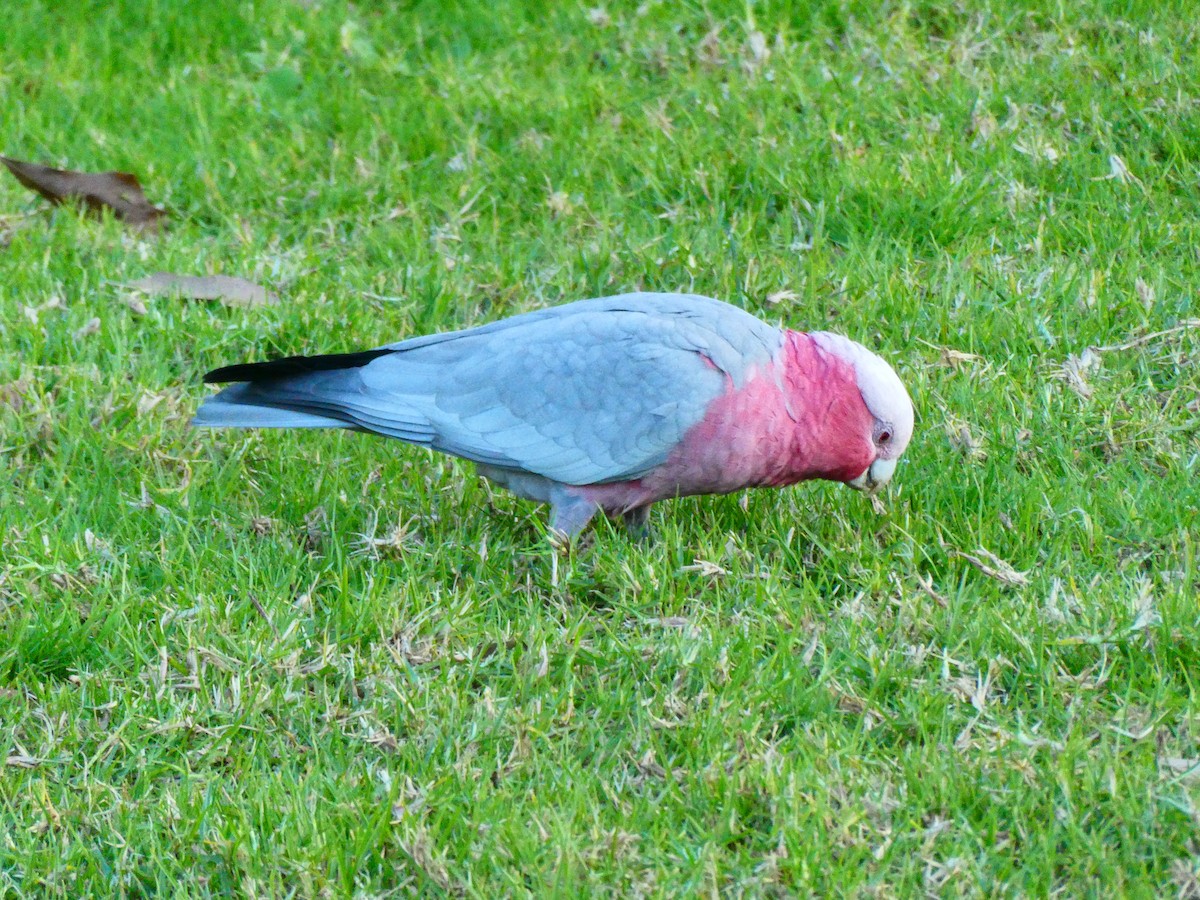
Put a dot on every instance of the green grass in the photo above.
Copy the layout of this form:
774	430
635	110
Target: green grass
213	680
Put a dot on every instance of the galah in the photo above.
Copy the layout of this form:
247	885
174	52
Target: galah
603	405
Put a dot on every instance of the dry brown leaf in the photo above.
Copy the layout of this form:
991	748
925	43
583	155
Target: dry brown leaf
965	440
708	51
706	568
119	191
33	313
230	290
983	125
785	295
136	305
657	114
951	358
15	393
1075	371
926	585
533	140
1119	171
560	203
147	401
598	16
756	49
1185	873
1145	293
262	525
993	567
1182	767
10	225
1184	325
90	327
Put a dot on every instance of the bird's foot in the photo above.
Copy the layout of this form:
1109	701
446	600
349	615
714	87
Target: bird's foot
569	515
637	522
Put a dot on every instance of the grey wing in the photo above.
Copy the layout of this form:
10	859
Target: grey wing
601	398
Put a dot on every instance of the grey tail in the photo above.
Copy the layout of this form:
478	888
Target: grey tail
238	407
257	401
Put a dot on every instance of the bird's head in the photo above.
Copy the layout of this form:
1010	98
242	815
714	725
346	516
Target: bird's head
887	426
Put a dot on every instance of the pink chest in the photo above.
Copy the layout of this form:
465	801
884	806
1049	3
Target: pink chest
801	418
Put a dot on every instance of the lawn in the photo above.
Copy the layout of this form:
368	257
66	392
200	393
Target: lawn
324	664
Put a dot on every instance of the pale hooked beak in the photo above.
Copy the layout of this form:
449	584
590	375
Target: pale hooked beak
877	475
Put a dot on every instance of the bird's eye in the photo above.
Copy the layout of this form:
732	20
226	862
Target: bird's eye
884	437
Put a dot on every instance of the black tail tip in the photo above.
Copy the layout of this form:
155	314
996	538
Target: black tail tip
291	366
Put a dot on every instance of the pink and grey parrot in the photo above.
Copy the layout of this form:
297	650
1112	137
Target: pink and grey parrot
608	404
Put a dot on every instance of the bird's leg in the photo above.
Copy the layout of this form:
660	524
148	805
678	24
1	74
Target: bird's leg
569	513
637	521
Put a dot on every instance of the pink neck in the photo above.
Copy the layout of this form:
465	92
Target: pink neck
830	435
800	417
